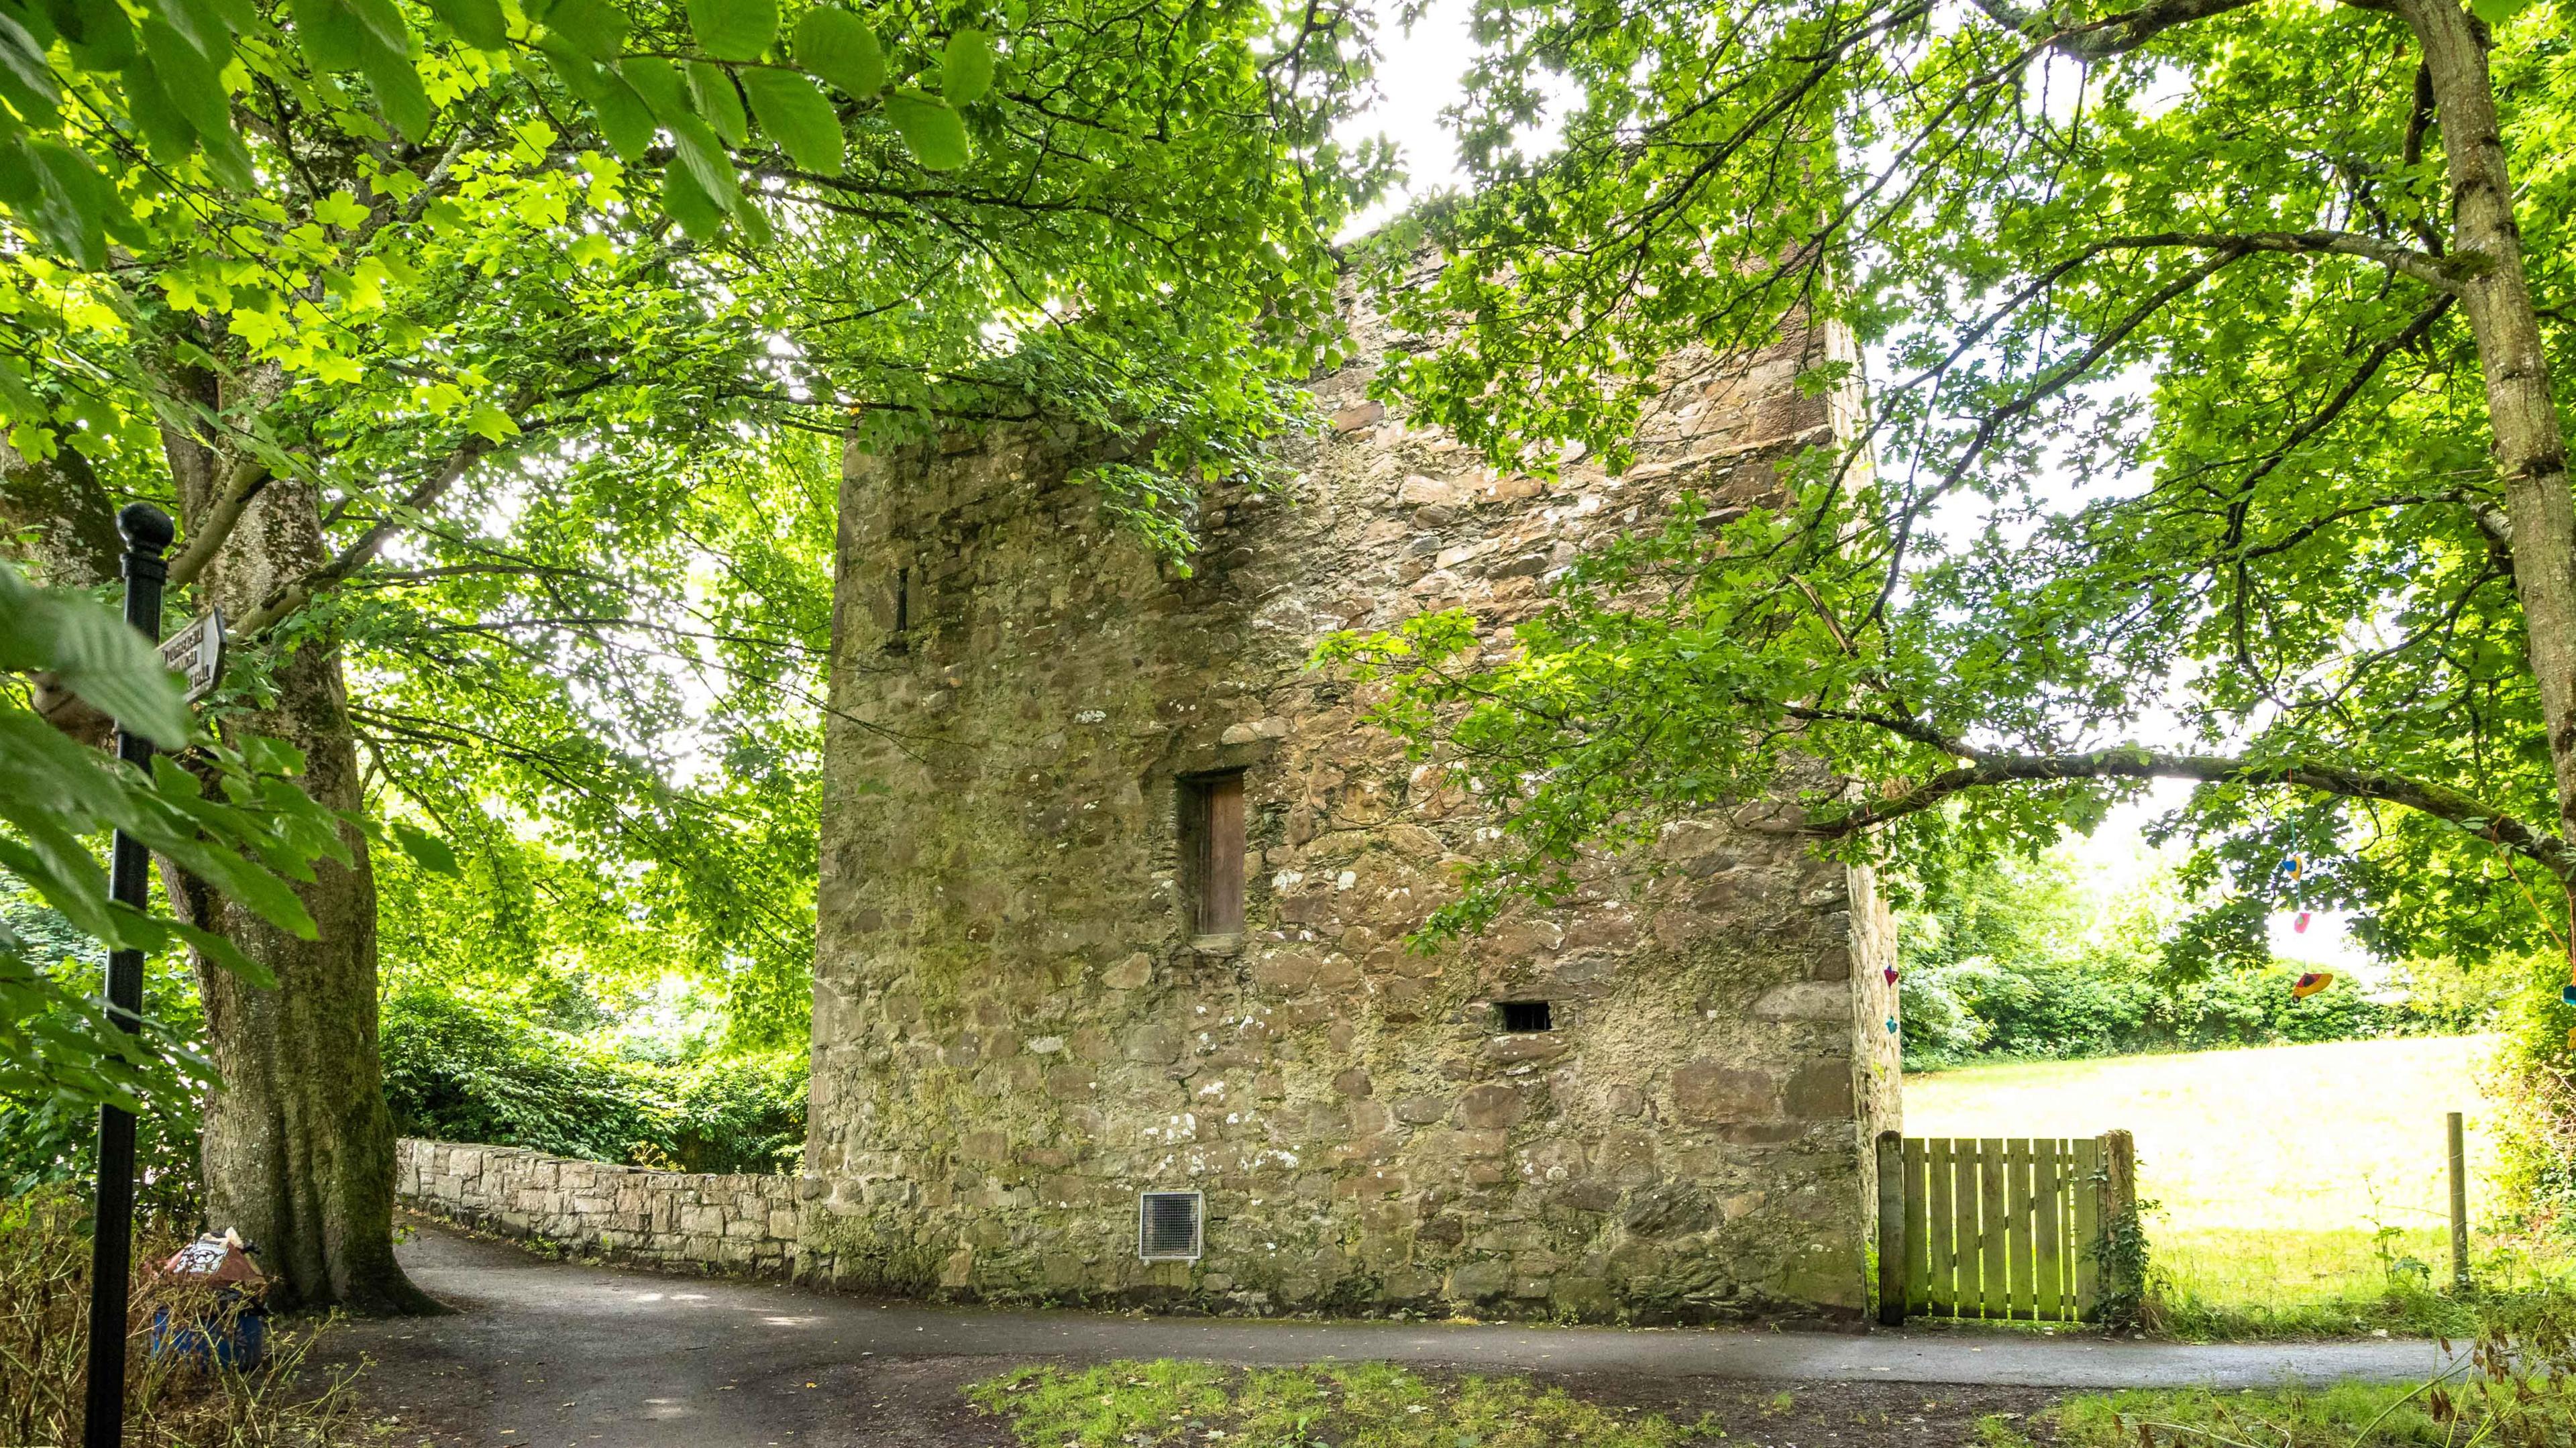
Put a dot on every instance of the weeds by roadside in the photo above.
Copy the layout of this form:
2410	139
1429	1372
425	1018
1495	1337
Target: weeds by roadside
2516	1389
1360	1405
44	1339
2248	1286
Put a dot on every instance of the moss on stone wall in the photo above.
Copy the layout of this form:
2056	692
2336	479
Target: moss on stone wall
1015	1032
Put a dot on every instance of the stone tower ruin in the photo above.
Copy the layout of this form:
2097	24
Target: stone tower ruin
1112	1001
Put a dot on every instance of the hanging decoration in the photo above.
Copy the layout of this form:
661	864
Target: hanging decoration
1890	973
2310	983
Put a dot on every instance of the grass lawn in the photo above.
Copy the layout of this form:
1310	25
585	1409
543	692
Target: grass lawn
2290	1180
1371	1404
1174	1404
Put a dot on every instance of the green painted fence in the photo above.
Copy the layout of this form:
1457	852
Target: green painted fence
1998	1228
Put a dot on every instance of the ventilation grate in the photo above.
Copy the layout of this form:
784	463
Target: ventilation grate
1167	1226
1525	1016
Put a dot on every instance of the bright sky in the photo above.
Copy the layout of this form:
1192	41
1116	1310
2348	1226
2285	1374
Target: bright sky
1419	77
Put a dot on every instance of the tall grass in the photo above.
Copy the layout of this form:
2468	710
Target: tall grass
44	1343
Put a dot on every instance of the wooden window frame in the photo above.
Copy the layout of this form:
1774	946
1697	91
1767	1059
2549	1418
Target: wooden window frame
1213	848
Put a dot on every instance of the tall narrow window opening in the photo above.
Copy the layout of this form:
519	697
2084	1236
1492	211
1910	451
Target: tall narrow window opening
1212	852
894	612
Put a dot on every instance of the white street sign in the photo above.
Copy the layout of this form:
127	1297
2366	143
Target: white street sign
197	652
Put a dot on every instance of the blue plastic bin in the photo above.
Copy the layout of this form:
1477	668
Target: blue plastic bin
237	1341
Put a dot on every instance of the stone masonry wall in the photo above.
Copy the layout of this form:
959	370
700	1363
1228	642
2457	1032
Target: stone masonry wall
1015	1032
666	1218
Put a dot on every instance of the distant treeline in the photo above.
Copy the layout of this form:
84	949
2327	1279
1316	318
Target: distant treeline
2026	960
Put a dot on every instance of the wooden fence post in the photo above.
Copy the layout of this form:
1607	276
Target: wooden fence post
1891	1228
2118	1215
2459	1204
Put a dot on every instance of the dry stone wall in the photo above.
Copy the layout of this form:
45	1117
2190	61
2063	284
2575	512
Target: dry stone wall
701	1220
1015	1031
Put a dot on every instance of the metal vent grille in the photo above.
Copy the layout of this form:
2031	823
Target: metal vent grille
1520	1016
1167	1226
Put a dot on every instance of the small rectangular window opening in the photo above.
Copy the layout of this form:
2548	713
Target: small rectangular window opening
1524	1016
898	617
1168	1226
1212	852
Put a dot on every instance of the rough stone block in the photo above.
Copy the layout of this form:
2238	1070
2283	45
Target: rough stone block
1706	1091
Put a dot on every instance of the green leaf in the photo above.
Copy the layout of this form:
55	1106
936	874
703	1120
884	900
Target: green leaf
426	850
384	24
595	26
95	655
702	153
935	134
839	47
658	82
165	131
329	32
754	222
718	101
2497	12
734	29
690	206
623	117
189	80
26	81
105	37
573	66
490	422
798	116
398	92
966	71
476	22
56	191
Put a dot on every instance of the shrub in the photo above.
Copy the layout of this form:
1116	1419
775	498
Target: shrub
2534	1087
48	1138
461	1070
44	1340
2052	1011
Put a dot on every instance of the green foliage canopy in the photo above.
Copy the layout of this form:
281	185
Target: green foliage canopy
62	1054
2214	439
569	460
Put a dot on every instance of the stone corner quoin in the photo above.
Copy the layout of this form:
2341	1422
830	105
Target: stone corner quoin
1036	735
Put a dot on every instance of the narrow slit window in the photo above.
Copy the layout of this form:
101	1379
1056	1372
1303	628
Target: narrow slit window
895	613
1521	1017
1212	852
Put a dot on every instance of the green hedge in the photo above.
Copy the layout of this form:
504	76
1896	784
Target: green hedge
1976	1008
460	1070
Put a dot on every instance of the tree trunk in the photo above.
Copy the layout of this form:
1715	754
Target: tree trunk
298	1151
2530	447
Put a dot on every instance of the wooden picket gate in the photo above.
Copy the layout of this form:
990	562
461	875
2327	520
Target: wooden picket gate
1998	1228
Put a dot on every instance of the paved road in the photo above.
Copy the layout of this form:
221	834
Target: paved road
542	1351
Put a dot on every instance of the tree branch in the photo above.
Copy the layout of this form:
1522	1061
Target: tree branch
242	482
2112	34
1984	770
286	600
2447	274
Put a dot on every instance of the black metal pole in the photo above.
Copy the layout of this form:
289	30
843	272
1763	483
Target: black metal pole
111	1260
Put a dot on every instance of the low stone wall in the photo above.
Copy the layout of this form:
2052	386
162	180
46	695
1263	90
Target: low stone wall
702	1220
